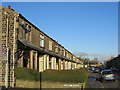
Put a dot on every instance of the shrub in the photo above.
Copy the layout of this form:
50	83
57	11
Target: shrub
26	74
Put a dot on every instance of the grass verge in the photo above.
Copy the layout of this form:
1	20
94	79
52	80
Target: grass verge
68	76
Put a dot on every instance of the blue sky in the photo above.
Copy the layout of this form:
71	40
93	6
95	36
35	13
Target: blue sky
90	27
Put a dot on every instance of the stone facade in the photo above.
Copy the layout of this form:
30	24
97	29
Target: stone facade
114	62
29	47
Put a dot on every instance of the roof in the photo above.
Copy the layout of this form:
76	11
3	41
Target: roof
20	15
106	70
22	44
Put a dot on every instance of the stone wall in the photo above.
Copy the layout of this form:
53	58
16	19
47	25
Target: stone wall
7	41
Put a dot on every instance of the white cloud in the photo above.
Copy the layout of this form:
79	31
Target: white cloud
100	57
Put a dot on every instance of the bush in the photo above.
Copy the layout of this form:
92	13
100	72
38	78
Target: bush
26	74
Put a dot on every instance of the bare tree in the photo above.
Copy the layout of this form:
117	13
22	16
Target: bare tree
94	61
81	55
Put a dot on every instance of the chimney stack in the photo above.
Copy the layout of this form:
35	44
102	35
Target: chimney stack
9	6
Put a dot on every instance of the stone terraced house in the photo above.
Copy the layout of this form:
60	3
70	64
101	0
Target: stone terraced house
25	45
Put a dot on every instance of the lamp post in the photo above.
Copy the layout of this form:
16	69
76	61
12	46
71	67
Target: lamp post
88	64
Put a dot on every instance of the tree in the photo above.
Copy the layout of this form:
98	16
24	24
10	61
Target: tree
81	55
94	61
86	61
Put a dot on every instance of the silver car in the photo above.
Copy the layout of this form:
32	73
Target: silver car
107	75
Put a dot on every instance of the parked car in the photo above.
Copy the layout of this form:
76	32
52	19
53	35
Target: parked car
101	69
90	68
114	69
107	75
95	69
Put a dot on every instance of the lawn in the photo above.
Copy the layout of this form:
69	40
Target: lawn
72	76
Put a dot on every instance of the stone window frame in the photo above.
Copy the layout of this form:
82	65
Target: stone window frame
60	50
50	45
24	26
63	52
66	54
29	33
41	40
56	48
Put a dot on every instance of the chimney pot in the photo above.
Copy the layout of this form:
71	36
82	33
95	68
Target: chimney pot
9	6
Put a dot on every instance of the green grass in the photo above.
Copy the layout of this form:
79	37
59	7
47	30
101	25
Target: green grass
26	74
75	76
69	76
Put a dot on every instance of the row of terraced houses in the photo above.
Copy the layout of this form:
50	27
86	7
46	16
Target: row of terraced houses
25	45
114	62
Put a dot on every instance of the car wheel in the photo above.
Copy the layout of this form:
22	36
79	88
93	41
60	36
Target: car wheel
100	80
113	79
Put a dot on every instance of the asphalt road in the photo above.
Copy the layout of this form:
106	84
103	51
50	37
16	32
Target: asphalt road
94	82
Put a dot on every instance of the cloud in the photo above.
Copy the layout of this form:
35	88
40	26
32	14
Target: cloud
101	57
95	55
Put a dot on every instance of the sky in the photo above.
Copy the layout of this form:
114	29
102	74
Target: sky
90	27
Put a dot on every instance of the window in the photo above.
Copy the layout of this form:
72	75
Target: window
56	48
29	30
60	50
64	52
67	54
73	58
41	41
24	30
50	45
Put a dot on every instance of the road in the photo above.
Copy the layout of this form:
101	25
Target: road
95	83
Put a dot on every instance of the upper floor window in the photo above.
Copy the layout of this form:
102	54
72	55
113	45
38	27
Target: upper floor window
24	30
56	48
41	41
60	50
50	45
29	30
67	54
64	52
70	56
74	58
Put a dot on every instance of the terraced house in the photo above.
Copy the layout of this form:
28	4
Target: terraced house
114	62
25	45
